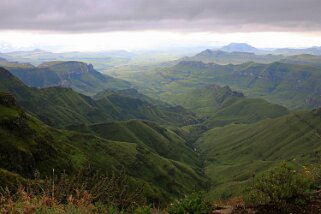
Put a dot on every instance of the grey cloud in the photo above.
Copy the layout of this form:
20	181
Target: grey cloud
179	15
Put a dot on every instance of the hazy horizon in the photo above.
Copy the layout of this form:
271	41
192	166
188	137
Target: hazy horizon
136	25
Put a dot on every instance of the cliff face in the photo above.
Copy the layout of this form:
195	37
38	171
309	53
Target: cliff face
71	67
79	76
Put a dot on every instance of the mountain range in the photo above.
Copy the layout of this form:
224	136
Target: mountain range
240	57
61	107
207	122
292	85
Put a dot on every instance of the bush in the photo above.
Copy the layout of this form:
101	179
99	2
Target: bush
86	192
281	187
192	204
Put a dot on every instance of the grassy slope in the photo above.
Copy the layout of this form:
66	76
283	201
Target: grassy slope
234	153
61	107
219	106
158	139
27	144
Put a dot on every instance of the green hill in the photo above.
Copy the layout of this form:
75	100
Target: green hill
234	153
158	139
61	107
219	106
26	145
71	74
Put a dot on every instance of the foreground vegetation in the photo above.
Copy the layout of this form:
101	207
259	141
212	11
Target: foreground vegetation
282	189
89	192
85	192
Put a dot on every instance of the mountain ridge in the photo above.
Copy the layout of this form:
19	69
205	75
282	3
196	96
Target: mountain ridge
77	75
291	85
62	107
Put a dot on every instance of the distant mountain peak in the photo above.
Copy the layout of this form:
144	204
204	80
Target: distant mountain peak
239	47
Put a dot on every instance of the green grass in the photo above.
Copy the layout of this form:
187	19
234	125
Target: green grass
234	153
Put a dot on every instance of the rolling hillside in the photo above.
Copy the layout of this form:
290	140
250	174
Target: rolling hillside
28	145
61	107
158	139
234	153
219	106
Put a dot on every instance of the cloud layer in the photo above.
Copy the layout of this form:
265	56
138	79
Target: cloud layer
174	15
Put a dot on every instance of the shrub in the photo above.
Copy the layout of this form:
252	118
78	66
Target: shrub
85	192
192	204
23	202
281	187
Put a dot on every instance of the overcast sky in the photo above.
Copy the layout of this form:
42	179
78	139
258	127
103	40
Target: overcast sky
190	22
